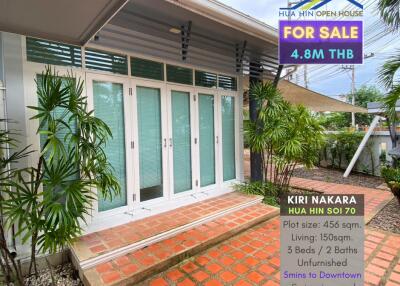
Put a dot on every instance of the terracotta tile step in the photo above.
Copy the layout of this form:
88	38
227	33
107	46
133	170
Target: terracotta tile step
94	245
138	265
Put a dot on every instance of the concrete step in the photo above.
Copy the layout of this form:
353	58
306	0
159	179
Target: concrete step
140	263
105	245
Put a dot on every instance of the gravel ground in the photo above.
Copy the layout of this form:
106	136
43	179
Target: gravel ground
64	275
336	176
388	218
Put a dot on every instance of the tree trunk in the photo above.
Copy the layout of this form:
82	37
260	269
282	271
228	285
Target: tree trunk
33	255
255	157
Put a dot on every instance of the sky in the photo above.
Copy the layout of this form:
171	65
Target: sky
332	80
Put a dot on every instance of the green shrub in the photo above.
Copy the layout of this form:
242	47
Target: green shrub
340	147
268	190
392	179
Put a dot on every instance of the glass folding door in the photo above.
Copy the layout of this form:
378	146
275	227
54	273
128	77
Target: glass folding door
206	109
228	137
108	100
181	139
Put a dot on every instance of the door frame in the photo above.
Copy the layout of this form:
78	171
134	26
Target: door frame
128	112
135	82
193	140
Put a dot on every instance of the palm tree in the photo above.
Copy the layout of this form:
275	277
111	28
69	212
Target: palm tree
389	11
390	14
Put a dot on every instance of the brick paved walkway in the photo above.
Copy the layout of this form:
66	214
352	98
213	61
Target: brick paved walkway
375	199
252	258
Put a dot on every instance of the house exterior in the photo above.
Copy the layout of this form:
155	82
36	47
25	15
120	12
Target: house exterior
166	76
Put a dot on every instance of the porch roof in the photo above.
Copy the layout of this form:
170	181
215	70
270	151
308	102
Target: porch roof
71	21
315	101
203	32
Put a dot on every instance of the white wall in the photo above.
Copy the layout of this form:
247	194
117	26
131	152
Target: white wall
13	81
375	143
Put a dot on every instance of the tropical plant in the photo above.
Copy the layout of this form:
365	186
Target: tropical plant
390	12
392	179
285	135
267	190
9	156
51	201
340	147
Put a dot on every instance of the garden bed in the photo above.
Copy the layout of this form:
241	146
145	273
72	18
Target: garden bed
388	218
336	176
64	275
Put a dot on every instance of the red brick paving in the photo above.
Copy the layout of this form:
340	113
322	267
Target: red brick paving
374	199
259	266
142	263
101	242
250	258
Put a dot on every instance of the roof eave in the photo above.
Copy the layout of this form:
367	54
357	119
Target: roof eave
228	16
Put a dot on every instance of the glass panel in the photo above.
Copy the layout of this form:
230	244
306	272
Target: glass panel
54	53
179	75
147	69
228	137
150	145
105	61
227	82
63	114
207	148
109	107
205	79
182	141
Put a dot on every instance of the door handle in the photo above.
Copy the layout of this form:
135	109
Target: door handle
165	143
170	142
216	137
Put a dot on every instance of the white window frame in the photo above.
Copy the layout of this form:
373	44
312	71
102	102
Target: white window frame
128	113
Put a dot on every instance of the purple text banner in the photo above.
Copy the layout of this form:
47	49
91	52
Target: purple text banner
320	42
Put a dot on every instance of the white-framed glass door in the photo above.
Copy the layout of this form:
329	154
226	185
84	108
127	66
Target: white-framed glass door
108	97
182	140
150	135
228	136
207	126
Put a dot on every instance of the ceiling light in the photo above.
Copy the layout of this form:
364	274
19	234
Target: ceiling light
175	30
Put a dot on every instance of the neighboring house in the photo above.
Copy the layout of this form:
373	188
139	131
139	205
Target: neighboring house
166	76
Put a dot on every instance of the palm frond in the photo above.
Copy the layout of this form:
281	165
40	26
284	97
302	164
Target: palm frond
390	12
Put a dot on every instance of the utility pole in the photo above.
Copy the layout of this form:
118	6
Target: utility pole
353	94
305	77
353	86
